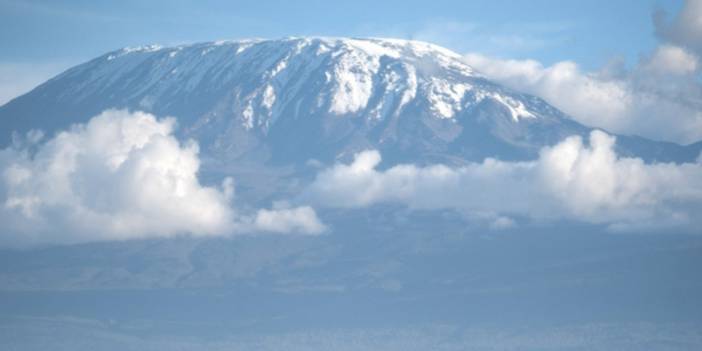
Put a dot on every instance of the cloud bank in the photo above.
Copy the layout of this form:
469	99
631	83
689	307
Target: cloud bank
120	176
571	180
659	98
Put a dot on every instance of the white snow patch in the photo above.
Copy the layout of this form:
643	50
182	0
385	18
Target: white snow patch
352	80
247	114
279	67
516	108
446	97
372	48
411	92
268	97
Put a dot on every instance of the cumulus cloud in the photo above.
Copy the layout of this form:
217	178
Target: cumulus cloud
669	59
659	98
570	180
122	175
283	219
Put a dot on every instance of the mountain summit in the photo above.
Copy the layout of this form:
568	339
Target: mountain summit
292	100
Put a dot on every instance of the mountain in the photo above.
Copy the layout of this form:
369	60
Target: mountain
291	100
384	277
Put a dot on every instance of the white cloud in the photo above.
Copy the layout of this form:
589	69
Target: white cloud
590	100
570	180
597	185
501	223
670	59
122	175
283	219
659	98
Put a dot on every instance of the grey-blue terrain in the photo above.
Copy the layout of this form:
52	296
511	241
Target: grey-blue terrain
384	277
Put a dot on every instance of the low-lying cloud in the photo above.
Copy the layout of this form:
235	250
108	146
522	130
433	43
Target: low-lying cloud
571	180
122	175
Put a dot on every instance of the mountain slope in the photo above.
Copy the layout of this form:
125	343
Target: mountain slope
291	100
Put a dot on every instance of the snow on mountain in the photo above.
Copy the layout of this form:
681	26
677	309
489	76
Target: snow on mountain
296	99
352	71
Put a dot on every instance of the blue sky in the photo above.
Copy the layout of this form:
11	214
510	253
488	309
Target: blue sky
586	31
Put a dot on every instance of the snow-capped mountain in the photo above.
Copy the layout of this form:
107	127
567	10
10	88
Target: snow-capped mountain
434	275
291	100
